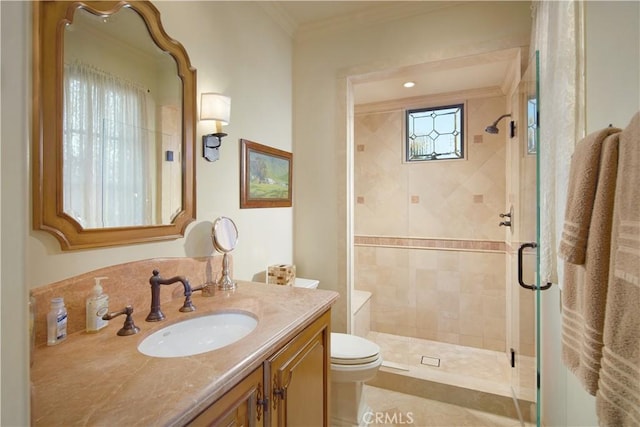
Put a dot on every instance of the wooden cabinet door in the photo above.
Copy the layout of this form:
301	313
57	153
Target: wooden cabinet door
297	378
239	407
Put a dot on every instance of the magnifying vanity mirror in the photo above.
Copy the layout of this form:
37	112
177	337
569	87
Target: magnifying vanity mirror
114	120
225	239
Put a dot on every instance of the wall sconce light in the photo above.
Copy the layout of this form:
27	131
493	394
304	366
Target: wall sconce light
214	106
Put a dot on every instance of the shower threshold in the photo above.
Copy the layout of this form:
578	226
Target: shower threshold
465	376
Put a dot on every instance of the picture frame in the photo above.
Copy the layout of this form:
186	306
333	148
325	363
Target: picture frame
265	176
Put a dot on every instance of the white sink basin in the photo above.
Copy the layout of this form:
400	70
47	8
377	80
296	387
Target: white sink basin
199	334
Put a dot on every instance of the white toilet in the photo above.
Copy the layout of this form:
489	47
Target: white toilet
354	360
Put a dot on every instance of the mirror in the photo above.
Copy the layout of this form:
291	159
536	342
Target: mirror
225	235
114	120
119	148
225	239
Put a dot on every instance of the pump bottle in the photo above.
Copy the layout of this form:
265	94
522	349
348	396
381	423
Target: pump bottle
97	306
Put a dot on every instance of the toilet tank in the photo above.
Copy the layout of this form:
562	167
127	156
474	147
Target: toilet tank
306	283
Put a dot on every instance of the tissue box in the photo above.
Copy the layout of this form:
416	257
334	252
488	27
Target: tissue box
281	274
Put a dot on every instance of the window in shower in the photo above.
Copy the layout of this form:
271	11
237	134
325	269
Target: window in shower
435	133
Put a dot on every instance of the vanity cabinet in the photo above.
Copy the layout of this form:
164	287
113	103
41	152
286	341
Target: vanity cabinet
238	407
299	378
295	381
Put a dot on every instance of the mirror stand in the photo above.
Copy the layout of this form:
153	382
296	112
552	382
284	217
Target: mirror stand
226	283
225	238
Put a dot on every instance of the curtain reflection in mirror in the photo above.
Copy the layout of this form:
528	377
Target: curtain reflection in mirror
106	149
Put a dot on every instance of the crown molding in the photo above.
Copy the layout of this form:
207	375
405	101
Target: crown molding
377	14
279	16
380	12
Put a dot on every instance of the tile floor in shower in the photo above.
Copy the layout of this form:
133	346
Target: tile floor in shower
470	378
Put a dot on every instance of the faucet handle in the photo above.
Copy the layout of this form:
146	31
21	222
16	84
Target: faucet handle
129	328
188	305
207	288
507	218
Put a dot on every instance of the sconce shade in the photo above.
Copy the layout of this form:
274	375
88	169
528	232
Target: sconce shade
217	107
214	106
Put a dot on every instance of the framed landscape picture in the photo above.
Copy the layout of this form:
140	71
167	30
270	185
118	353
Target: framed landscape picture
265	176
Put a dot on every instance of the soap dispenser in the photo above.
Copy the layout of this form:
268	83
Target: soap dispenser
97	305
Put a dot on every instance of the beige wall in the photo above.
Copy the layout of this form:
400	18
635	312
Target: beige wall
236	50
454	199
324	59
454	296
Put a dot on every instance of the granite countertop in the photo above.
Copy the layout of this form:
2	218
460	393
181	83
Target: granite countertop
102	379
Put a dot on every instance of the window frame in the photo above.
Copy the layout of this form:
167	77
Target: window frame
463	131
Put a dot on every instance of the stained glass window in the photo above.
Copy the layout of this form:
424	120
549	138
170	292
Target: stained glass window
435	133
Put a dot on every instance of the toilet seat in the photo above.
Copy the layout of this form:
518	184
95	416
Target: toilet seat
351	350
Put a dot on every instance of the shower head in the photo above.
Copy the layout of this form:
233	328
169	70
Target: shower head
493	128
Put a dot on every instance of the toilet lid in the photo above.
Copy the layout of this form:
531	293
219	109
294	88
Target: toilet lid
352	350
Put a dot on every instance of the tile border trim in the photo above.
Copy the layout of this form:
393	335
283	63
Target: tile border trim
431	243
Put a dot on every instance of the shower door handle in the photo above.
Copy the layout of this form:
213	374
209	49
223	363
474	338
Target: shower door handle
521	282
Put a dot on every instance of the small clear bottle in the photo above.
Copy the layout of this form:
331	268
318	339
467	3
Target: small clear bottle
56	322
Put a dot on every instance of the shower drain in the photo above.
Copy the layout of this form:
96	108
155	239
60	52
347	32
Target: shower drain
430	361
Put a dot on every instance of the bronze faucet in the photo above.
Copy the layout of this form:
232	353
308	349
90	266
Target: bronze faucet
156	314
129	328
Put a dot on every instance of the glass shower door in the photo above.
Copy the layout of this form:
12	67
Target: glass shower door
523	248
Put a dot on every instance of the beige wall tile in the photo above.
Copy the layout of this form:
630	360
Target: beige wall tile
449	281
447	323
471	305
471	326
448	302
471	340
453	295
493	328
426	281
448	261
493	306
491	344
424	259
448	337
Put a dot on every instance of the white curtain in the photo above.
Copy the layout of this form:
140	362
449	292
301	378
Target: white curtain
558	36
106	144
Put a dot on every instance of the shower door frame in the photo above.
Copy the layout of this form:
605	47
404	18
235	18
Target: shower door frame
524	247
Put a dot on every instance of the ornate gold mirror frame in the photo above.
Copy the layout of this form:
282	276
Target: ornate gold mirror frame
49	21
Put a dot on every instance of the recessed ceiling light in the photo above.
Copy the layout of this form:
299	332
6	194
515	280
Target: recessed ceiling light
409	84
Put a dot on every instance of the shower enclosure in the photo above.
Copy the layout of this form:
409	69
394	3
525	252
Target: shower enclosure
442	273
